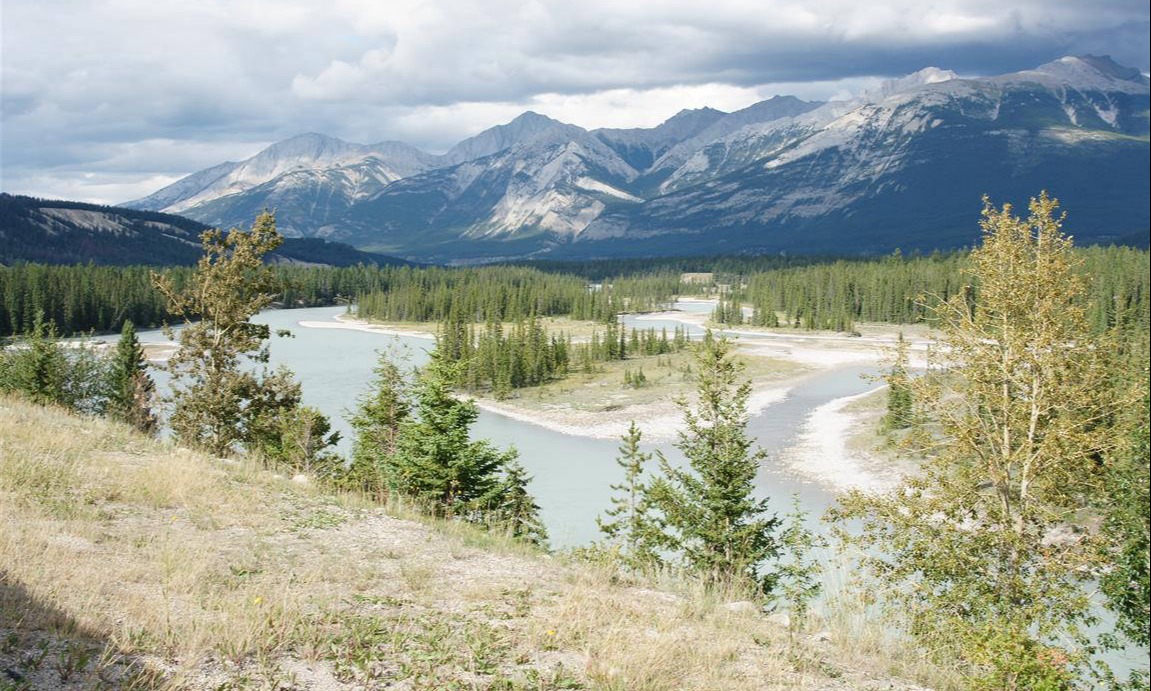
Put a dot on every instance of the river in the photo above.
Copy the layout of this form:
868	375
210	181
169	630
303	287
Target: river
571	474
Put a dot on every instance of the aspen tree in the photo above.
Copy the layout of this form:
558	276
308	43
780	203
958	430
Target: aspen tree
984	550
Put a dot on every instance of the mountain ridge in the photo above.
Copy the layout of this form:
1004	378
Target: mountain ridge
769	177
66	232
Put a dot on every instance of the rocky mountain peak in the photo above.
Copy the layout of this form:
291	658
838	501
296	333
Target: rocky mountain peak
692	117
923	77
1085	73
501	137
530	118
1090	65
310	146
755	176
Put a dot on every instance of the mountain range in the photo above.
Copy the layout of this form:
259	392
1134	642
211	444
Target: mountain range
904	165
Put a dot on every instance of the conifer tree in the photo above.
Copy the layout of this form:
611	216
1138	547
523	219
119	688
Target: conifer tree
899	396
48	373
377	422
713	519
38	368
284	433
515	509
300	440
217	403
630	523
131	387
799	570
435	461
1127	530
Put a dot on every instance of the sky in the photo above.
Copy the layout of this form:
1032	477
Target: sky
110	100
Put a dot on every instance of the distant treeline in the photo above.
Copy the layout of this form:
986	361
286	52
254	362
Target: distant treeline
899	290
806	294
510	294
78	298
86	297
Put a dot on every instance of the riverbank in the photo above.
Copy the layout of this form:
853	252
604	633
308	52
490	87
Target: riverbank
836	446
659	420
350	323
840	446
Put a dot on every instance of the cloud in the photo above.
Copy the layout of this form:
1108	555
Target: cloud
91	86
513	49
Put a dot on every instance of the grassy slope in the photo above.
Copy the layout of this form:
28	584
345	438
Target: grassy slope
127	563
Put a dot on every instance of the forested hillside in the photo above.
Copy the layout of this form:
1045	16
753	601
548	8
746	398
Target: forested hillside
65	232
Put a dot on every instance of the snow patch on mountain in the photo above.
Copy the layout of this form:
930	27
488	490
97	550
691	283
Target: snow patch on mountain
586	183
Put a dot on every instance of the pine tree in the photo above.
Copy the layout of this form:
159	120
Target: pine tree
301	441
131	387
799	570
48	373
218	404
515	509
285	434
630	523
899	396
1127	530
713	518
38	368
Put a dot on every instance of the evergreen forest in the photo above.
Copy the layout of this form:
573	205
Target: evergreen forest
810	294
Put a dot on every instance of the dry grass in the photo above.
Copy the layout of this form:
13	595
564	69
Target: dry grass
127	563
865	639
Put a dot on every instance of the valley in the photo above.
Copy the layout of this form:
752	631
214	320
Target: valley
538	346
541	371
